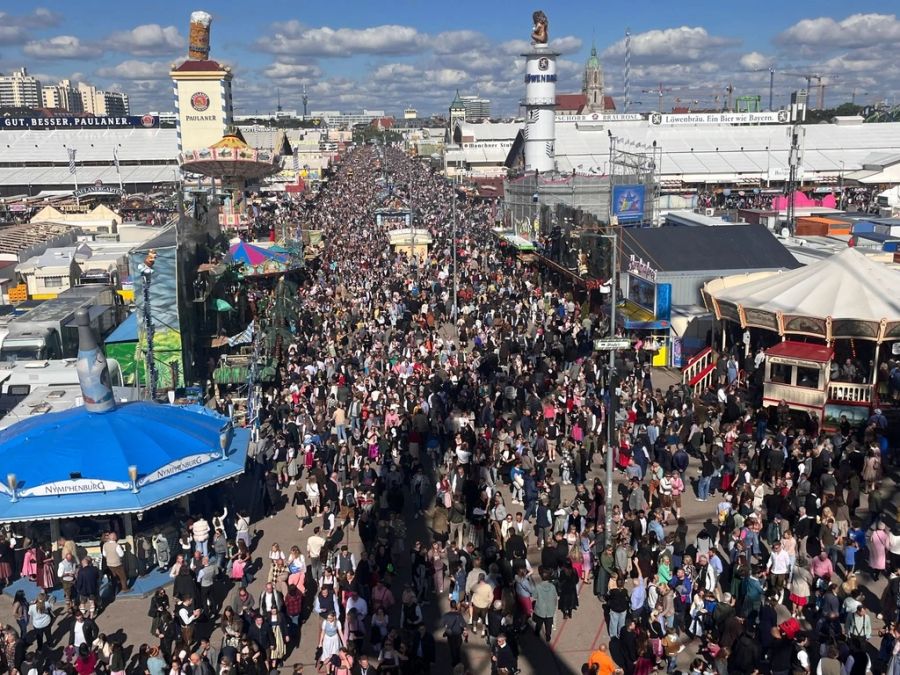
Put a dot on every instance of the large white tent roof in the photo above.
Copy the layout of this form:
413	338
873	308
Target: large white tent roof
848	294
725	153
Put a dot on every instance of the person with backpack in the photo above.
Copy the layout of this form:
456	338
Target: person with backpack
347	498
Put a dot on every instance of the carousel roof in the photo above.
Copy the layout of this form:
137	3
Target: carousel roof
845	295
85	459
248	254
230	158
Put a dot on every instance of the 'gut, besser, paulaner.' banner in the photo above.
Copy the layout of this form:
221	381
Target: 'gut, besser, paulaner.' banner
73	122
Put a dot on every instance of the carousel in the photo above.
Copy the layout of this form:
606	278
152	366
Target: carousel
834	330
235	165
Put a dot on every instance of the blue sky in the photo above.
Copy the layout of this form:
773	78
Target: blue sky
410	52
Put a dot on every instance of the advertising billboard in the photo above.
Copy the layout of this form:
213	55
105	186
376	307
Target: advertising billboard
628	203
642	293
202	113
81	122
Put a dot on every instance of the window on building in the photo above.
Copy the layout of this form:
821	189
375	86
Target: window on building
53	282
780	373
808	377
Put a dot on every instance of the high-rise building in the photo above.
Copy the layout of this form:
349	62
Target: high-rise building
477	108
20	90
592	86
100	103
62	96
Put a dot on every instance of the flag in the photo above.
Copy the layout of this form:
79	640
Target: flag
71	160
243	337
116	158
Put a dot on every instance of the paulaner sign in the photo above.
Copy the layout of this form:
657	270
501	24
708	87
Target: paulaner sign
129	122
100	191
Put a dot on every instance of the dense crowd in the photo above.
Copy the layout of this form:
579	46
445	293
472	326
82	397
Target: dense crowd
459	443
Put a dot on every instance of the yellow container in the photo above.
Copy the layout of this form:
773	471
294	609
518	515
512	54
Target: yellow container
661	358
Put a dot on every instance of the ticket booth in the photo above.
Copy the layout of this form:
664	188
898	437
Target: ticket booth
799	374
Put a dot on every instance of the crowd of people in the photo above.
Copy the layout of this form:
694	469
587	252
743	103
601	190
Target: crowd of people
461	439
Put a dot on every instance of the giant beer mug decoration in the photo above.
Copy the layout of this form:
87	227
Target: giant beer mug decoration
92	369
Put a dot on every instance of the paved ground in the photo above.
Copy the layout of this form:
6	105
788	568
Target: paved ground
572	640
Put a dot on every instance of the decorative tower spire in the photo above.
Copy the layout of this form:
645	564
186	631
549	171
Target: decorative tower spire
592	87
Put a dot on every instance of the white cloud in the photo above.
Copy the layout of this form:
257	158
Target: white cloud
14	27
566	45
293	71
11	34
42	17
392	72
756	61
456	41
295	38
686	43
61	47
445	77
136	70
857	30
147	40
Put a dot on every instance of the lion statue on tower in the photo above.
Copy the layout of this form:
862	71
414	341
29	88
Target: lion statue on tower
539	31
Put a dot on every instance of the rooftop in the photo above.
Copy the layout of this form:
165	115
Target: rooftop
199	66
801	350
687	249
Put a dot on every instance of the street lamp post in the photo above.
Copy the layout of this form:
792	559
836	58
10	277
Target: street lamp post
611	408
453	244
610	377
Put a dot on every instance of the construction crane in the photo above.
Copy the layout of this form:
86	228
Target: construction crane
809	77
659	91
771	71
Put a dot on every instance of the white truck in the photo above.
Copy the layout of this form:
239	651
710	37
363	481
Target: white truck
48	331
889	202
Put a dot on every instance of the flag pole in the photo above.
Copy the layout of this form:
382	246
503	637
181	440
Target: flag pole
73	169
118	171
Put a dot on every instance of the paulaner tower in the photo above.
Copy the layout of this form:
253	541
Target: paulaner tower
202	89
540	100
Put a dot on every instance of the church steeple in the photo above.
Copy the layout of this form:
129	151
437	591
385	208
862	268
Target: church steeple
592	86
457	114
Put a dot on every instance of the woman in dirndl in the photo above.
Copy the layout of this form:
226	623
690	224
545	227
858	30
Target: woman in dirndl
46	578
280	637
6	559
329	639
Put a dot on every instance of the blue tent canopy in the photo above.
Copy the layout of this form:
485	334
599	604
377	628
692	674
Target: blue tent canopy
75	463
127	331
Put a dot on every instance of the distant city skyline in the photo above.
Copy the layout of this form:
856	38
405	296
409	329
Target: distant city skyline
355	55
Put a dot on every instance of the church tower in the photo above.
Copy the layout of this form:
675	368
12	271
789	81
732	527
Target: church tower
592	87
457	114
